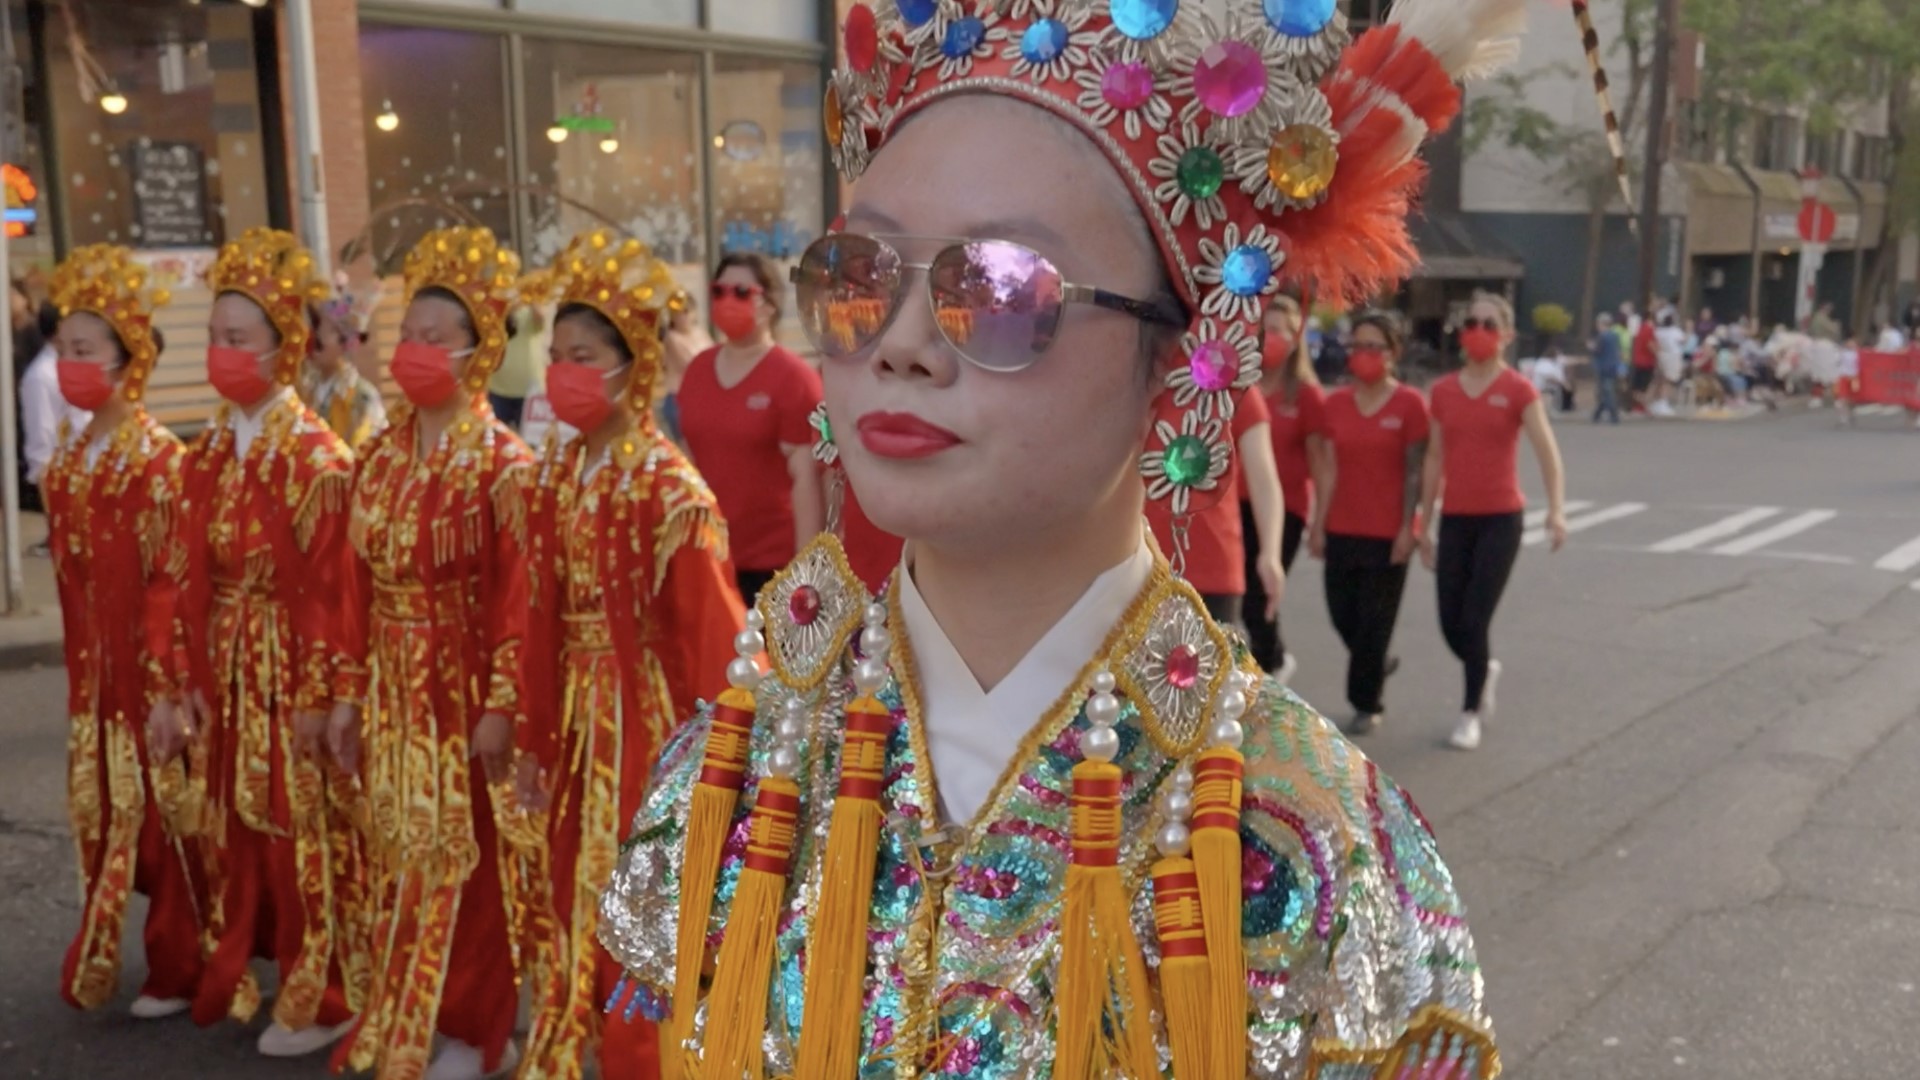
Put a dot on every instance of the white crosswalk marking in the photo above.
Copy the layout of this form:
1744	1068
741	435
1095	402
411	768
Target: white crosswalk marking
1719	530
1601	516
1793	526
1901	559
1537	518
1877	410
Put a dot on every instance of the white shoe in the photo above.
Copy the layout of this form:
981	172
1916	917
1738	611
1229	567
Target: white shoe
1365	724
281	1041
153	1008
1487	706
1467	735
460	1061
1289	664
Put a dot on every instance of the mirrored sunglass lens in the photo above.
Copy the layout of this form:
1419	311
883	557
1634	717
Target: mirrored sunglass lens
998	303
847	289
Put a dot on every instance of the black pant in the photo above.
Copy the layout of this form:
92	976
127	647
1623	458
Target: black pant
1225	610
507	410
1363	597
1477	552
751	582
1263	637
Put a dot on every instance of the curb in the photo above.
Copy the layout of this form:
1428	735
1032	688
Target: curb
31	655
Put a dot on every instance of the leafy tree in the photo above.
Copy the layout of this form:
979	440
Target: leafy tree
1576	154
1823	59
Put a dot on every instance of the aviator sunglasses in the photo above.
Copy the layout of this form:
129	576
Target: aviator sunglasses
997	303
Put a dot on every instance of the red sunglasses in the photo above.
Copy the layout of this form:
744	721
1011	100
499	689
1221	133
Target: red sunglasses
722	291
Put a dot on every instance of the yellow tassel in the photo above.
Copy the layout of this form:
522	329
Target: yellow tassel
1103	983
837	950
723	771
1216	859
744	974
1185	974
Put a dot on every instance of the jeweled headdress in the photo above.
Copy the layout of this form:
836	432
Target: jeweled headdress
623	281
1265	147
103	280
470	264
271	268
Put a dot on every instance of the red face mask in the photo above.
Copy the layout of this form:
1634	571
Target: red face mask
735	317
235	373
425	373
1369	365
84	384
1480	344
578	394
1275	351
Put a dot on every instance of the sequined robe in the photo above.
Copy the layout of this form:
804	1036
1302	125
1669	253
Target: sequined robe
440	618
267	564
118	569
634	615
1360	964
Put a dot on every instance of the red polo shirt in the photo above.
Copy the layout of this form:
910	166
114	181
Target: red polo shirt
1480	442
1370	459
735	434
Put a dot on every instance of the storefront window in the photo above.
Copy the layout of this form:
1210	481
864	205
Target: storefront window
766	148
631	12
181	160
615	140
438	153
787	20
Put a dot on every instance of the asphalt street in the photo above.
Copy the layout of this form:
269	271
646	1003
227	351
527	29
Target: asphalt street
1690	846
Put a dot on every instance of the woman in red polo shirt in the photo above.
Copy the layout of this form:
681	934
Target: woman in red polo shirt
1369	486
743	411
1224	561
1295	407
1472	468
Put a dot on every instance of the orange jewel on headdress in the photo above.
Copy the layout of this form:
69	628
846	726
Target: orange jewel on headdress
103	280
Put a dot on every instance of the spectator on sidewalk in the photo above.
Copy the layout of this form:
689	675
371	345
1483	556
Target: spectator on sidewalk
1912	319
1549	375
1669	344
523	370
1846	389
1823	326
1606	369
1646	365
1891	339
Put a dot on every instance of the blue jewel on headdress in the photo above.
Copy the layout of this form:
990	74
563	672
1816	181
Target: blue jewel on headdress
963	36
1045	40
1143	20
1247	270
1298	18
917	12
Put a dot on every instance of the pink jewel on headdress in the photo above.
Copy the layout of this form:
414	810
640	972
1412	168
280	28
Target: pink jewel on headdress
1127	85
804	606
1230	78
1183	667
1212	366
862	39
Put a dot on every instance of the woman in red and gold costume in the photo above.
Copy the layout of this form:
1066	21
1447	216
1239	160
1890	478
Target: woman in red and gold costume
634	618
439	521
112	490
266	560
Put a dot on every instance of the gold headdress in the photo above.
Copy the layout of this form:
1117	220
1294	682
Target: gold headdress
272	269
622	281
103	280
470	264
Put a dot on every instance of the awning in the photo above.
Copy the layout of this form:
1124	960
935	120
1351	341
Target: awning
1453	249
1719	210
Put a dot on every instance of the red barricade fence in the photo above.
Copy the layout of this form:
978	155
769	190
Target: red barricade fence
1890	378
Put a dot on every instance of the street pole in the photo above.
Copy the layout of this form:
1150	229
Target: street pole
1663	32
306	134
10	118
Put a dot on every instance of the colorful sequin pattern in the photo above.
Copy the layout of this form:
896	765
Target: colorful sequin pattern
1358	957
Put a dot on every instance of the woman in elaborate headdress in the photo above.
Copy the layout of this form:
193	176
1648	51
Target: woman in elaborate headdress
634	618
113	489
331	384
440	524
267	562
1035	811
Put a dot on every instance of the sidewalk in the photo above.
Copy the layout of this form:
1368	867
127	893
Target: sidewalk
32	636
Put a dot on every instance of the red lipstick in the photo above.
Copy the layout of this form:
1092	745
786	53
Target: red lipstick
903	436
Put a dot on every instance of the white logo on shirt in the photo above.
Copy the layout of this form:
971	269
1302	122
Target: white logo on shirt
760	402
1391	423
1498	401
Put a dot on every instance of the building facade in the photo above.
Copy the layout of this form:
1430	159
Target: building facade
165	125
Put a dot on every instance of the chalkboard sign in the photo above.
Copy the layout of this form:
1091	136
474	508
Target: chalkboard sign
170	194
